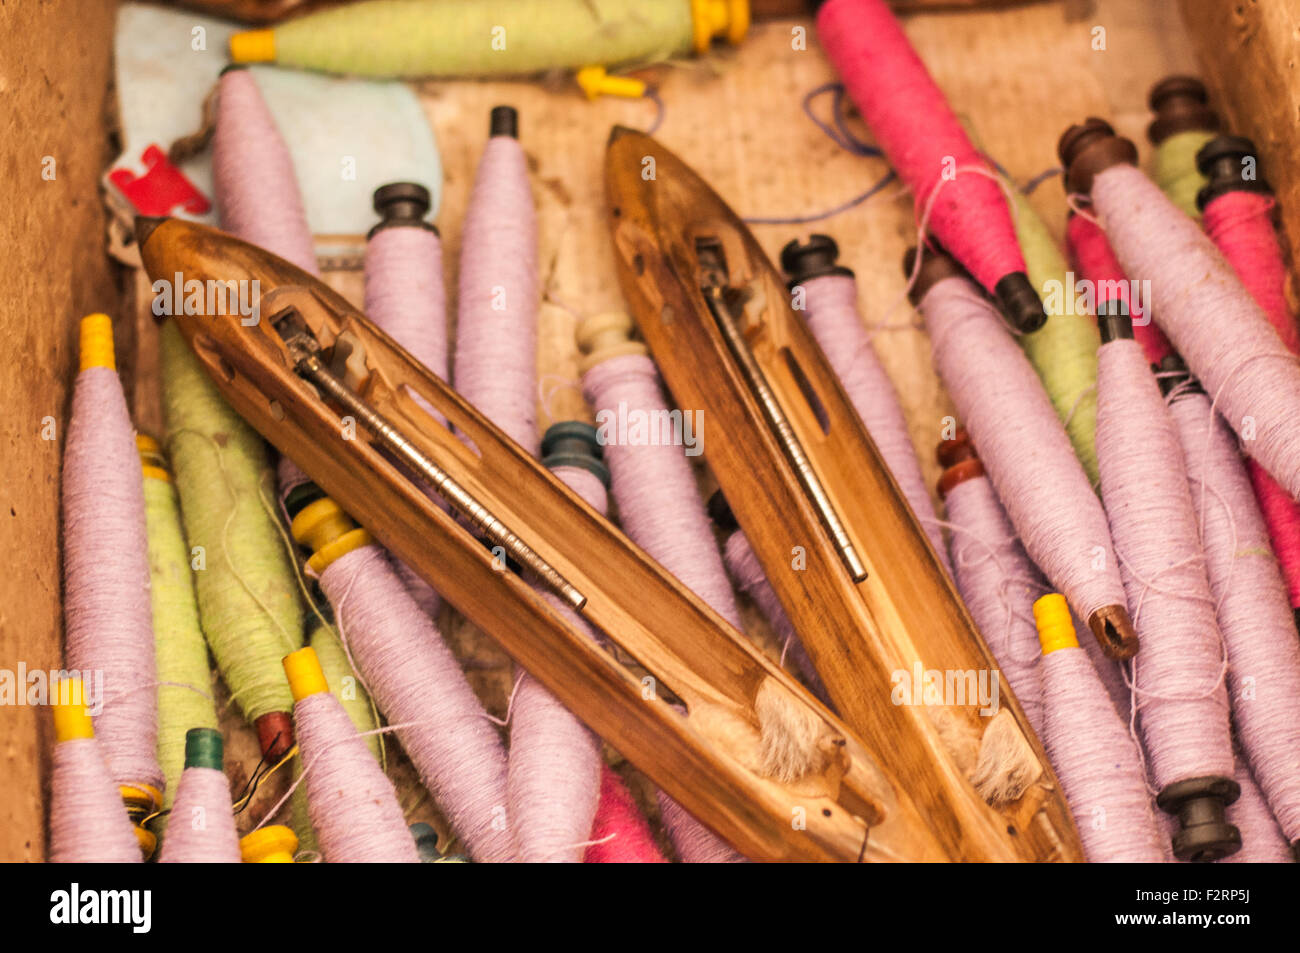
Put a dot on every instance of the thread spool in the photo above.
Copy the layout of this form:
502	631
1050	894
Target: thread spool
658	505
256	191
247	592
273	844
414	680
88	823
830	306
1183	123
347	688
747	574
412	39
202	828
107	615
554	775
1254	381
1024	449
996	579
354	809
180	654
406	298
653	484
1250	597
1238	217
1181	699
496	332
916	128
1262	841
1064	350
1090	748
1093	256
620	833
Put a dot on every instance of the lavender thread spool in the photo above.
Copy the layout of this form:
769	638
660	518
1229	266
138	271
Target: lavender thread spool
496	331
406	298
1250	596
1262	840
354	809
830	307
658	505
1178	686
996	578
257	194
1024	448
554	779
201	826
107	612
1090	748
88	822
413	678
1253	379
747	573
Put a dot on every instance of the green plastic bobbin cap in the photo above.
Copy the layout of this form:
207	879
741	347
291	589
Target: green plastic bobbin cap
203	748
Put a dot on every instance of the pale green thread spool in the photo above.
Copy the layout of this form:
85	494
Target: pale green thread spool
1064	350
415	38
181	655
334	663
1174	168
248	597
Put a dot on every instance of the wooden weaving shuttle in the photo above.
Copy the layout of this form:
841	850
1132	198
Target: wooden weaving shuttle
838	542
311	359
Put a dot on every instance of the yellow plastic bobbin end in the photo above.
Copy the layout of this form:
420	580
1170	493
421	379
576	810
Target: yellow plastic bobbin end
1055	627
97	342
718	18
152	461
596	82
328	531
269	845
253	46
71	720
304	672
148	841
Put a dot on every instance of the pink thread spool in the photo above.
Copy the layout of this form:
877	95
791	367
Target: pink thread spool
496	332
1094	757
1238	217
1024	449
107	613
1092	255
830	307
413	678
658	503
1249	594
406	298
996	579
747	573
353	806
554	779
201	827
1178	679
88	822
1201	304
926	145
620	832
